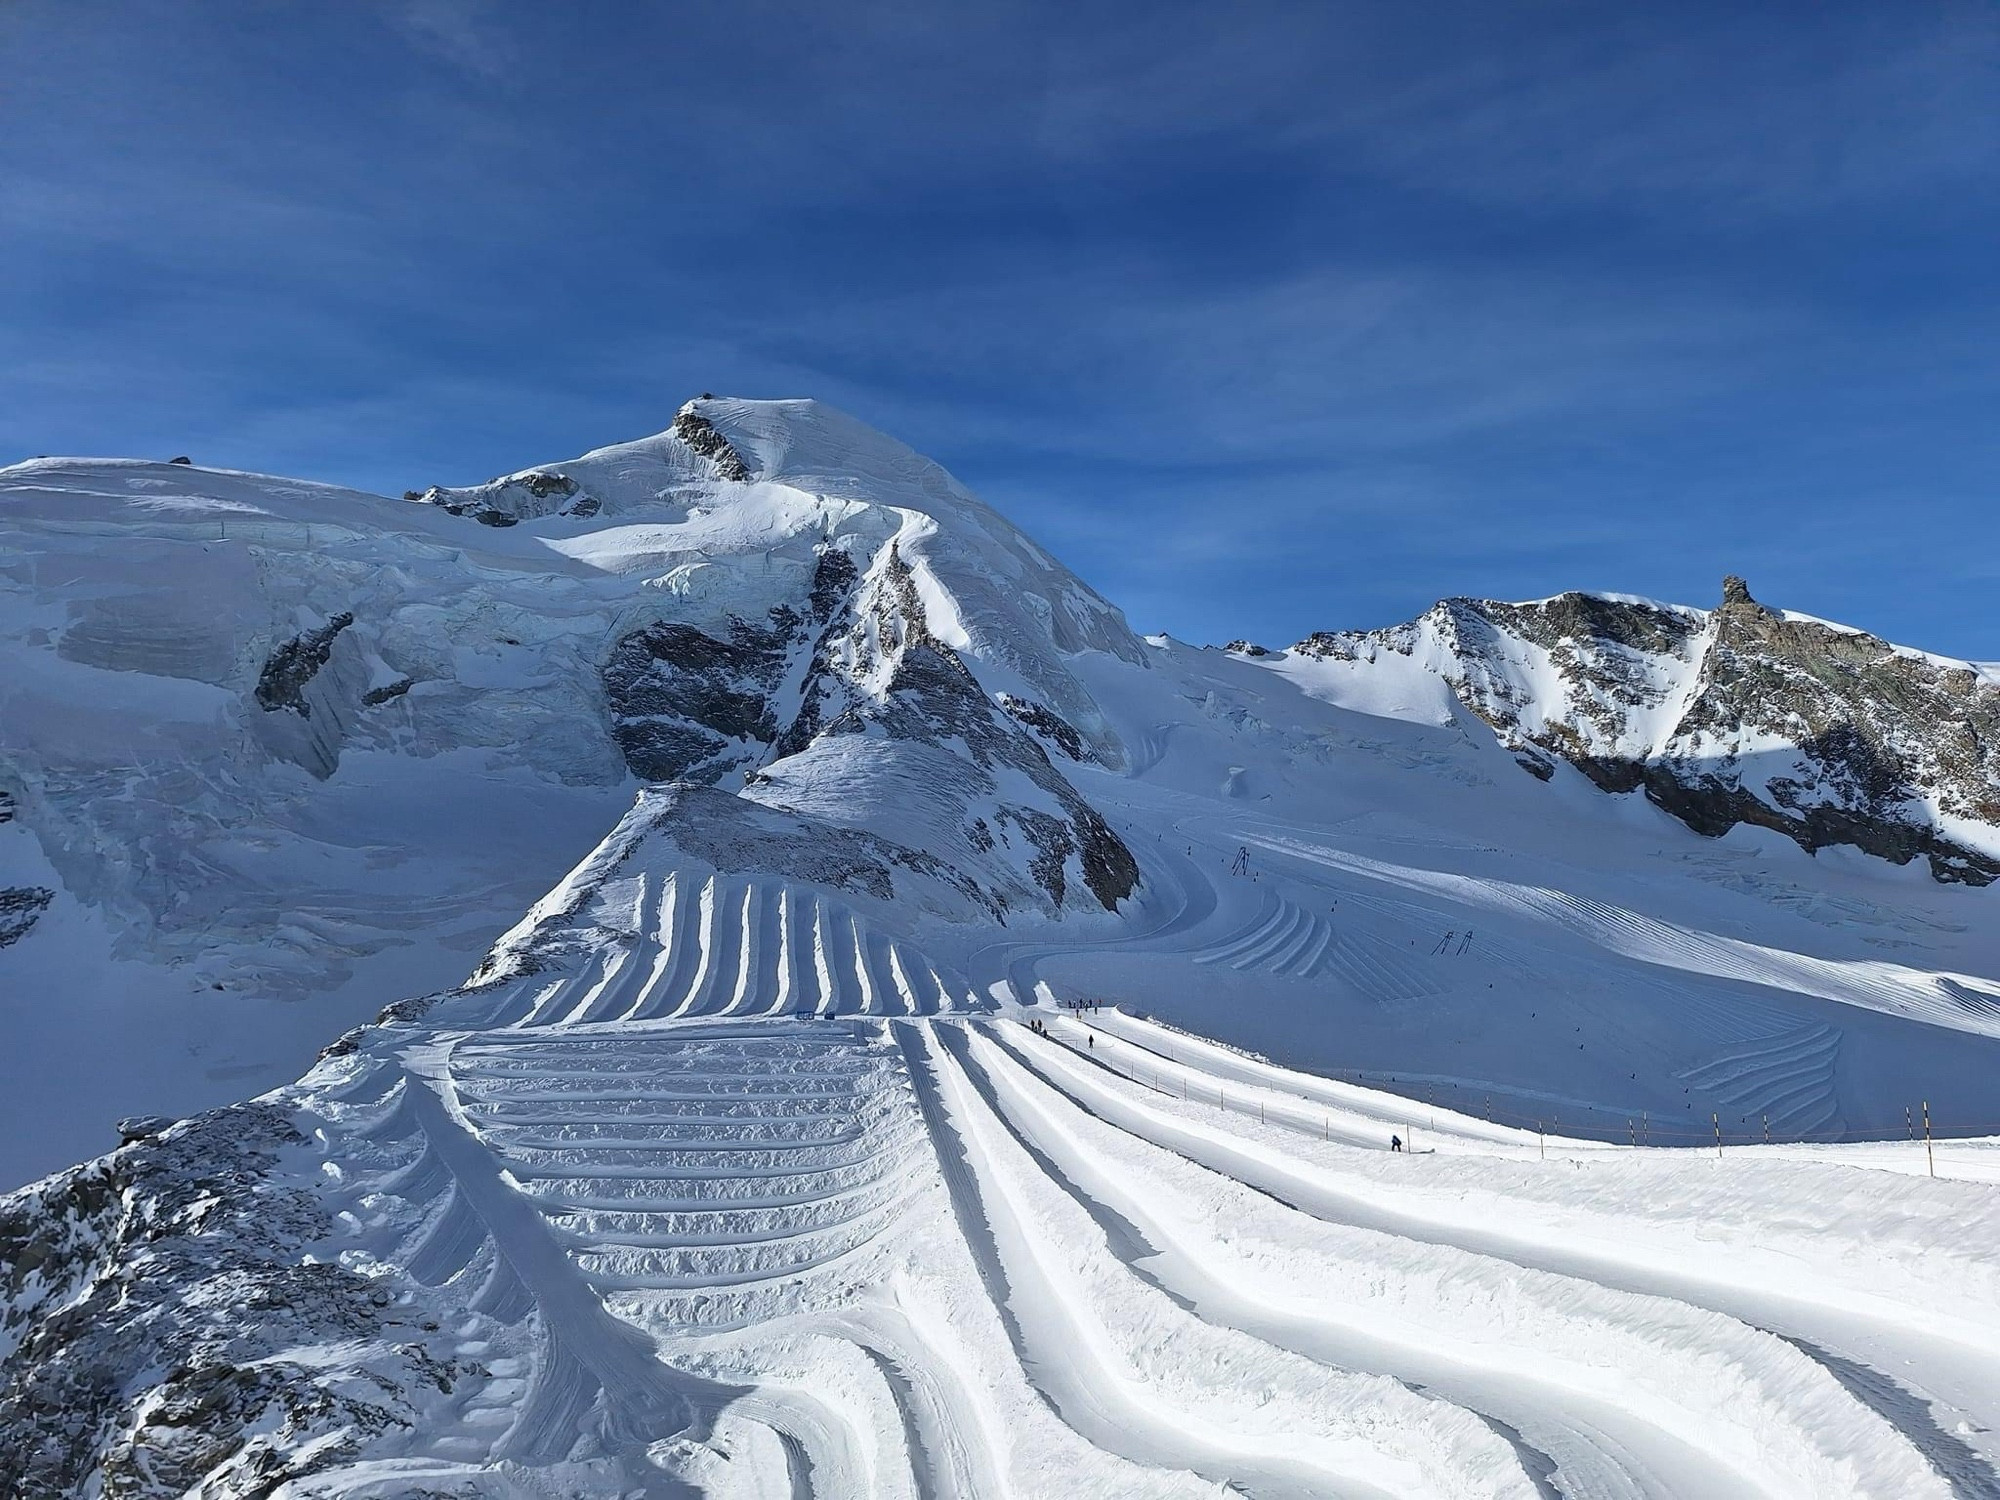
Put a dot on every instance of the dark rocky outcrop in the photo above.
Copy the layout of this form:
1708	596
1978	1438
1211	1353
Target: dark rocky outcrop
547	486
143	1127
680	699
932	697
292	665
1712	805
508	502
835	577
1882	736
20	907
692	428
376	697
1047	723
857	657
162	1333
1738	715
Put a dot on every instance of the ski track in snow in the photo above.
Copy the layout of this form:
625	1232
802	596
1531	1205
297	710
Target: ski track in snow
1962	1001
766	1200
741	1193
1172	1267
735	947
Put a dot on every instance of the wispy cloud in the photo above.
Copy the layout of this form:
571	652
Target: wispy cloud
468	34
1291	315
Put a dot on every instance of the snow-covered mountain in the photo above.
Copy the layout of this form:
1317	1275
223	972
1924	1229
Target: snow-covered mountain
268	739
1740	714
714	813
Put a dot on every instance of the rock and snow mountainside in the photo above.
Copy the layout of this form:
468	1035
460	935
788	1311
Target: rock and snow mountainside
1741	714
266	739
781	784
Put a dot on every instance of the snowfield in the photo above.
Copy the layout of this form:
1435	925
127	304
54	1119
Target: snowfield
833	1116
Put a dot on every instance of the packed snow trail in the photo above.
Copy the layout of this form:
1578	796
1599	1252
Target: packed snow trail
1683	1380
891	1223
933	1256
1929	1322
1098	1334
1592	1443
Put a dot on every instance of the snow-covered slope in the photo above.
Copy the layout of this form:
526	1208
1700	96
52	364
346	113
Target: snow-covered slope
582	1234
266	740
754	1157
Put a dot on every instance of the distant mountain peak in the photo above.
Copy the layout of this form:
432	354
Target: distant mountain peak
1742	714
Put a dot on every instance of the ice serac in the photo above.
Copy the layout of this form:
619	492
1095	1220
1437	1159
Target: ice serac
1737	715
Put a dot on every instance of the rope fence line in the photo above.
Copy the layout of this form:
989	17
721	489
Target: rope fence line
1639	1129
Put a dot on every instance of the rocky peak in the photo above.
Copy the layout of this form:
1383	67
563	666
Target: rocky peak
694	429
1743	714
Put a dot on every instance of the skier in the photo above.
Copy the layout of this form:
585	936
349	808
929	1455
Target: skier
1093	1041
1395	1143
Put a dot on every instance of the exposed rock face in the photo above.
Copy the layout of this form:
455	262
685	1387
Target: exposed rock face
1853	740
692	428
681	701
376	697
1742	714
162	1331
850	679
1050	725
509	501
20	906
281	685
878	669
143	1127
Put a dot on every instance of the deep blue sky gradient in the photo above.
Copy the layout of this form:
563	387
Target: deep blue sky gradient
1267	319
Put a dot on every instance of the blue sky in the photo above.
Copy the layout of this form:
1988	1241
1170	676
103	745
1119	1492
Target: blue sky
1267	319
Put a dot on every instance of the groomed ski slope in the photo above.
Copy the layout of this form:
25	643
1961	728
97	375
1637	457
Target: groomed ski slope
746	1185
732	1189
1014	1253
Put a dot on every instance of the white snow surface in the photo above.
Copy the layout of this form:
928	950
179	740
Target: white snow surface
740	1177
